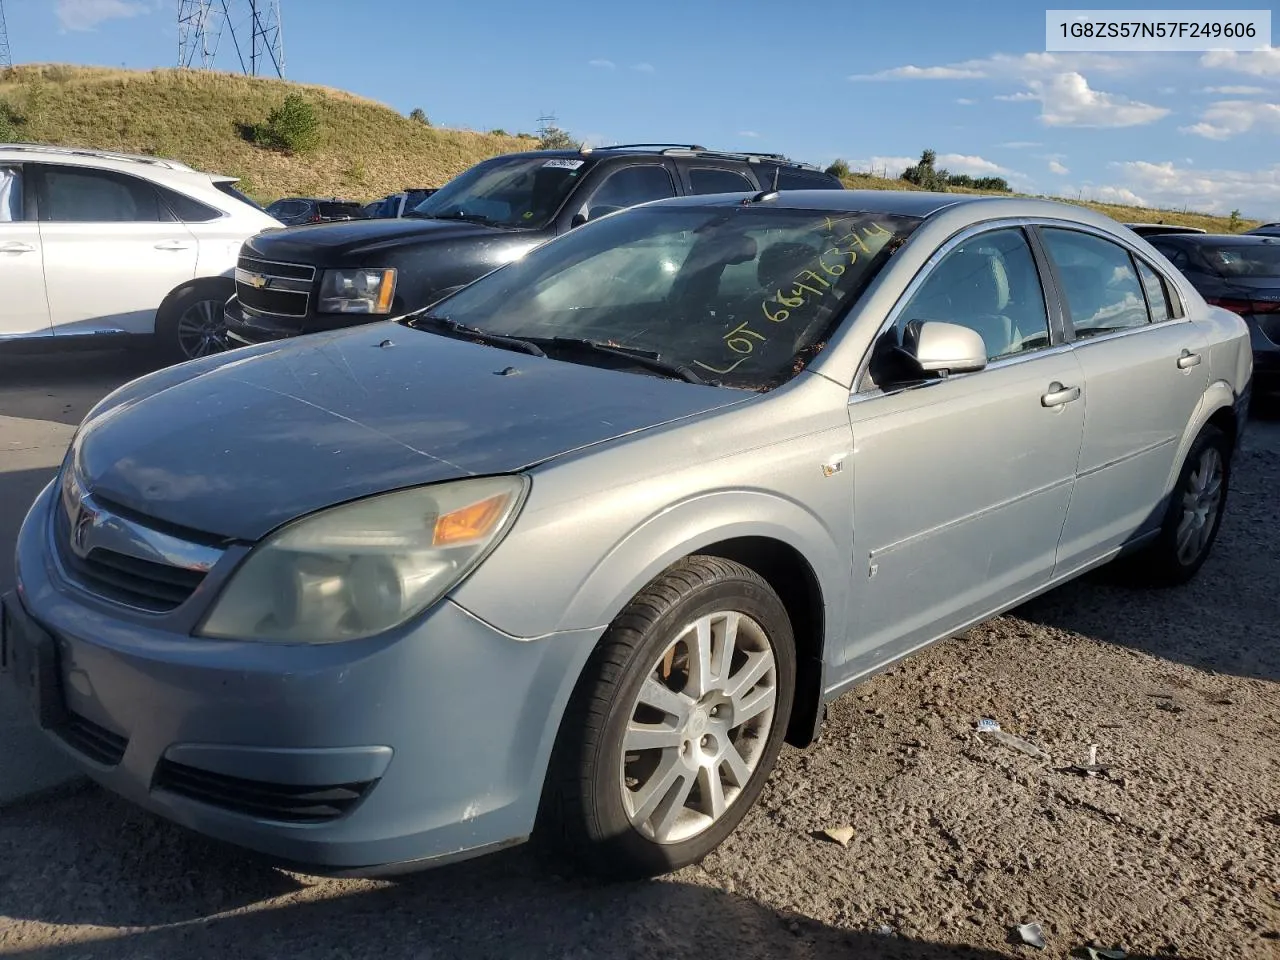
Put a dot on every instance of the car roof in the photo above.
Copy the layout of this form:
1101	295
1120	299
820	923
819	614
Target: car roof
665	149
159	169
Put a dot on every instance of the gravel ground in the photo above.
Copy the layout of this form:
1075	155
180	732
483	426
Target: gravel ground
956	839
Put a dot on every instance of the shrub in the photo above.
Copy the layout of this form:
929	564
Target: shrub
1236	222
839	168
293	127
418	115
924	174
10	123
553	138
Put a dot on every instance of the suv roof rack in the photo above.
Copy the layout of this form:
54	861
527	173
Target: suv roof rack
98	154
693	148
651	146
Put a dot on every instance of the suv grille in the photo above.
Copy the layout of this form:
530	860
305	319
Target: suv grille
285	803
282	289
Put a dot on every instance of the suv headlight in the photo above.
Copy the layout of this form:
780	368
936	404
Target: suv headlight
364	567
357	291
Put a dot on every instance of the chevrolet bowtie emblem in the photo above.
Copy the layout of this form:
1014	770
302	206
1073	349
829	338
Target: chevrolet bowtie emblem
257	281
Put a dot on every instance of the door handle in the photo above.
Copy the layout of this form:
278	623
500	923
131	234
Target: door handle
172	245
14	246
1188	360
1059	395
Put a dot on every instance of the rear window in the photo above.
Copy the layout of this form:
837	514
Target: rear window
186	209
341	210
1244	259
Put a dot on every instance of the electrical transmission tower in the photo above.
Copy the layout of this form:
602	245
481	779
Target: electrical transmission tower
201	24
6	58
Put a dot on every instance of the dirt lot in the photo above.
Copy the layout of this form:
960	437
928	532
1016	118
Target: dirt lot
1175	853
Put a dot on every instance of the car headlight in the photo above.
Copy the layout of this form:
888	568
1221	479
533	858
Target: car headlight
357	291
364	567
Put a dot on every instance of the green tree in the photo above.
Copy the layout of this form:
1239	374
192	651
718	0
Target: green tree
418	115
293	126
925	174
11	123
1236	222
551	137
839	168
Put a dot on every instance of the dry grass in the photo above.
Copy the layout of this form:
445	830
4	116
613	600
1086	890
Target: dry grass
366	149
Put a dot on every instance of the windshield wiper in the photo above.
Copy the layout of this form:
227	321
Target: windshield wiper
644	358
475	333
453	215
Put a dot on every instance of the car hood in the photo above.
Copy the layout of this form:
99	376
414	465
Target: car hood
239	445
355	237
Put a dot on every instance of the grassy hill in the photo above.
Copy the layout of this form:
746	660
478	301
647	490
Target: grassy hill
365	148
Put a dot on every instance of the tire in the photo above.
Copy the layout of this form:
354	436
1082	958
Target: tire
1194	507
189	324
589	811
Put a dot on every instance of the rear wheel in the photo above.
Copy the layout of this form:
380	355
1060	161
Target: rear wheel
676	723
190	324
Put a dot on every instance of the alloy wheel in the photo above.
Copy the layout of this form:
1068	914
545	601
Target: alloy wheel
1201	499
201	330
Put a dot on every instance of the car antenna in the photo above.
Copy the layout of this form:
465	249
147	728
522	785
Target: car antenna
771	192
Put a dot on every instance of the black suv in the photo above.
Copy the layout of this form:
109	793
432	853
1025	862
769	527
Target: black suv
312	278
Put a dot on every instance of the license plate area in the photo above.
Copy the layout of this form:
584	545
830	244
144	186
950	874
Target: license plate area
29	655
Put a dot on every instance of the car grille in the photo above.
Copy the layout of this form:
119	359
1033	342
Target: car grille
132	581
97	743
280	289
282	802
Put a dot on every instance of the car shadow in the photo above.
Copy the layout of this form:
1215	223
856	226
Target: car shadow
62	387
179	895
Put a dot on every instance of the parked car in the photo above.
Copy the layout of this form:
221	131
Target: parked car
1240	272
330	277
1158	229
1265	230
571	552
397	204
100	249
295	211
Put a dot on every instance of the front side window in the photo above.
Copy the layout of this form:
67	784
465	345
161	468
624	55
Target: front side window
712	180
658	280
10	194
73	195
629	187
1099	281
508	191
990	284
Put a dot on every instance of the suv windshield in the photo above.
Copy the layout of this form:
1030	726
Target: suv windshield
507	191
741	296
1244	259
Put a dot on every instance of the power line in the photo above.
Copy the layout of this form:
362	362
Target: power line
255	27
6	58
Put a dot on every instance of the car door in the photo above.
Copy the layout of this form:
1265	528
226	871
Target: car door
622	186
112	250
961	484
1144	363
24	310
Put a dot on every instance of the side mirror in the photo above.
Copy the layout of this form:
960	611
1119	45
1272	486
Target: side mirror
578	220
944	348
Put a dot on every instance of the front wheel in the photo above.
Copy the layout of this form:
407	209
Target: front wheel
676	723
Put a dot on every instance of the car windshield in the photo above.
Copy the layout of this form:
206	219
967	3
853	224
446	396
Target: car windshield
507	191
741	296
1244	259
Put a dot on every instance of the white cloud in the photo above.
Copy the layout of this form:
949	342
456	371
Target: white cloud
1067	100
1109	194
1003	65
1255	192
1016	97
1234	91
87	14
1020	144
748	133
643	68
1258	63
602	64
1229	118
961	163
885	166
966	101
1057	167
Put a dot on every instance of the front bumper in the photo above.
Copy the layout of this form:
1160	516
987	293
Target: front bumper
246	327
362	757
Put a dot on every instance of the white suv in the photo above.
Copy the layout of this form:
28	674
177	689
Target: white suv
97	247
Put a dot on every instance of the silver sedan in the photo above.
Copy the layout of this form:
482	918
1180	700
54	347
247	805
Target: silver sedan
572	552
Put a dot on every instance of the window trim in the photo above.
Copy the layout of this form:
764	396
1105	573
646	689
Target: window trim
862	390
1177	304
609	172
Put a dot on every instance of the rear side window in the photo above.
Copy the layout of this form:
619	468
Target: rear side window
1099	281
229	188
792	180
711	180
77	195
188	210
1157	293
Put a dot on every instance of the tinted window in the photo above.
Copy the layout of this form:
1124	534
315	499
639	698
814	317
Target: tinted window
341	210
229	188
512	191
1261	259
1157	295
630	186
708	180
188	210
1177	256
1100	283
989	284
288	208
96	196
792	180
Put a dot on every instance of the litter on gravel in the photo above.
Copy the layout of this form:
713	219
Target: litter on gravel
1032	935
1016	743
840	835
1093	953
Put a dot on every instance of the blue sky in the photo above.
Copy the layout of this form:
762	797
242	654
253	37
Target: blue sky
872	83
